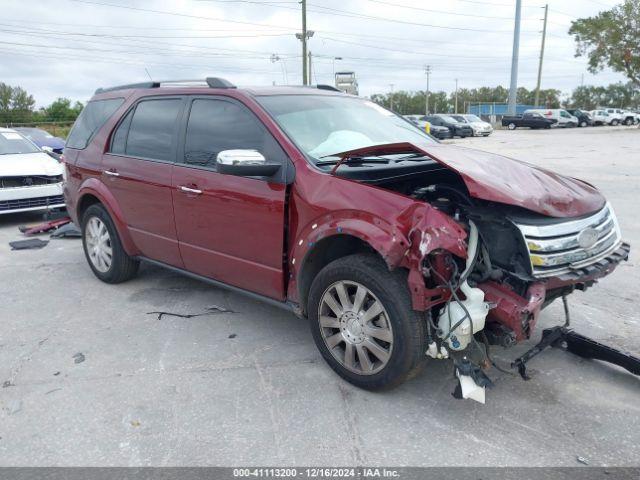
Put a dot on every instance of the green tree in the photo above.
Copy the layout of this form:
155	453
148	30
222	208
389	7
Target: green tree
61	110
611	38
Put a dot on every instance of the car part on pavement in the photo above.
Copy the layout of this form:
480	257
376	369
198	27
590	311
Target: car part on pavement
212	310
31	243
68	230
45	226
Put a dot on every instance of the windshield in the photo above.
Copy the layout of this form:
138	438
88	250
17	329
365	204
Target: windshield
13	142
448	118
326	125
472	118
459	118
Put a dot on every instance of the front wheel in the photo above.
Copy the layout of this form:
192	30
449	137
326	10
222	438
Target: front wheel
628	121
614	123
363	323
511	126
103	249
583	124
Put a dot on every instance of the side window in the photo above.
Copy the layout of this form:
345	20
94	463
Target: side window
217	125
119	140
152	132
92	117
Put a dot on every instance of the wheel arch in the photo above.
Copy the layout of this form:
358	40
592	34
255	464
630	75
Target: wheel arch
95	192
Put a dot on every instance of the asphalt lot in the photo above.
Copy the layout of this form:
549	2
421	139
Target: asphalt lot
249	388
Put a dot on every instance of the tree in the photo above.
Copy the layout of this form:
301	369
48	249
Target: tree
61	109
611	38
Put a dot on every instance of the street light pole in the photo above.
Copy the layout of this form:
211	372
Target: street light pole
544	35
305	80
513	89
456	108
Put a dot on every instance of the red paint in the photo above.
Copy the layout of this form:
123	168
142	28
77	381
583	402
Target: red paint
257	235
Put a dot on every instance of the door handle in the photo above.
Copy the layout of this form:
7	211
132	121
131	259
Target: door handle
189	190
111	173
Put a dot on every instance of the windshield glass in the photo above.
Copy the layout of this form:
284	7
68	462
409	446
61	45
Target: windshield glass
459	118
13	142
472	118
326	125
448	118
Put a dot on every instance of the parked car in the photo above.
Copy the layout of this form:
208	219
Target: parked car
480	127
562	117
615	115
441	133
327	205
530	120
628	117
29	178
584	119
43	139
601	117
457	129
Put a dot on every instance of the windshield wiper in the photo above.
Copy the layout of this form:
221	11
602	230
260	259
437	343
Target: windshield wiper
352	160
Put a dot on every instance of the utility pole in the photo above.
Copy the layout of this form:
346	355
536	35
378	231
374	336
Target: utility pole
304	43
391	85
427	70
513	89
456	108
310	69
544	36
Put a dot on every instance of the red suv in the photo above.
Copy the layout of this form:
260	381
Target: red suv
393	245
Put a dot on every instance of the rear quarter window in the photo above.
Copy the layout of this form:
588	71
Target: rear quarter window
91	119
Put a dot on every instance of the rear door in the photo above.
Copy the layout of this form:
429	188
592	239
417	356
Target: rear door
230	228
137	170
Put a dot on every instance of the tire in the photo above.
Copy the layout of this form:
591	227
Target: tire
547	127
628	122
583	124
511	126
406	329
614	123
96	222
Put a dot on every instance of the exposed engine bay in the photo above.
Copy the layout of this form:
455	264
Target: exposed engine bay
518	262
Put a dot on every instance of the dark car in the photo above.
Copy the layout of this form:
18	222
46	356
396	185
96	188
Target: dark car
457	129
531	120
43	139
420	121
584	119
332	207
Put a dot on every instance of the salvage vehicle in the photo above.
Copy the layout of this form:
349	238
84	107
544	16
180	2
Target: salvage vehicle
441	133
600	117
562	117
393	245
480	127
529	120
42	139
29	178
584	119
457	129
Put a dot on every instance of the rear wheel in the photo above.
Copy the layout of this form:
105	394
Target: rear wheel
511	126
614	122
103	249
583	123
628	121
363	323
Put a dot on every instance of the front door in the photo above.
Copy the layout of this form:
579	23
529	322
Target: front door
230	228
137	171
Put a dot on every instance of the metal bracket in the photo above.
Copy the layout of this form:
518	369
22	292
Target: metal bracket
578	345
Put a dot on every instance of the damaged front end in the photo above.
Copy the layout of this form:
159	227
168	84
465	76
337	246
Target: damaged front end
485	255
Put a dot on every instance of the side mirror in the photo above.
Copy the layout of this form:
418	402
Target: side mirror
245	163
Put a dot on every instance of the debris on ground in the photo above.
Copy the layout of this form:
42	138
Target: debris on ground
582	460
212	310
45	226
78	357
31	243
233	335
68	230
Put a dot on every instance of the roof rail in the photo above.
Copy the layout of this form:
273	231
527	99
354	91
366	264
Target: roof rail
328	87
128	86
212	82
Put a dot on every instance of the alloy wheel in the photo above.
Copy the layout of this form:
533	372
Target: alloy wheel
355	327
98	242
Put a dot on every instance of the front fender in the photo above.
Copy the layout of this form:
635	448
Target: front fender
402	241
96	188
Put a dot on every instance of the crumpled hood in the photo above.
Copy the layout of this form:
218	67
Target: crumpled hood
27	164
501	179
495	178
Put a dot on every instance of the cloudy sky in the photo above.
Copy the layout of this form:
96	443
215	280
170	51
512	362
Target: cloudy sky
68	48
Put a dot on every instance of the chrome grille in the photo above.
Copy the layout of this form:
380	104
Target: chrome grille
567	246
6	205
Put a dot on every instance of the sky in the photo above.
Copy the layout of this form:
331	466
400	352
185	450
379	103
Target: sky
68	48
